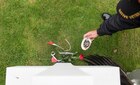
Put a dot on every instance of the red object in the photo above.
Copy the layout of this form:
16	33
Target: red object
51	43
54	60
81	57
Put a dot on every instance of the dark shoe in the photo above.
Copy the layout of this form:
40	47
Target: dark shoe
106	16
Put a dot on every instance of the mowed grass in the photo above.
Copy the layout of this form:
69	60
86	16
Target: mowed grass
27	25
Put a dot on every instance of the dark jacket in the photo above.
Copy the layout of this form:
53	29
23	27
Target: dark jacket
127	17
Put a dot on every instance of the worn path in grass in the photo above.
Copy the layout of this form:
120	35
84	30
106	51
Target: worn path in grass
27	25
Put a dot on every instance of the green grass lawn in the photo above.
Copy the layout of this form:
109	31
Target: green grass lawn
27	25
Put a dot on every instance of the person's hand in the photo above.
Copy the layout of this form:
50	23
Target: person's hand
91	34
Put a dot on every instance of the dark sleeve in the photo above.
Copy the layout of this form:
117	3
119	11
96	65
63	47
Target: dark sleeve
115	24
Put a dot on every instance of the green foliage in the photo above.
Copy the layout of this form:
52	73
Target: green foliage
27	25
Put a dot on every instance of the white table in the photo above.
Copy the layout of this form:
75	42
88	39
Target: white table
63	74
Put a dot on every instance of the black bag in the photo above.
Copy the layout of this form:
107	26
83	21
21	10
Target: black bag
101	60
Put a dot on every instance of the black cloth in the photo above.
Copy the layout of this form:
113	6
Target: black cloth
127	17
